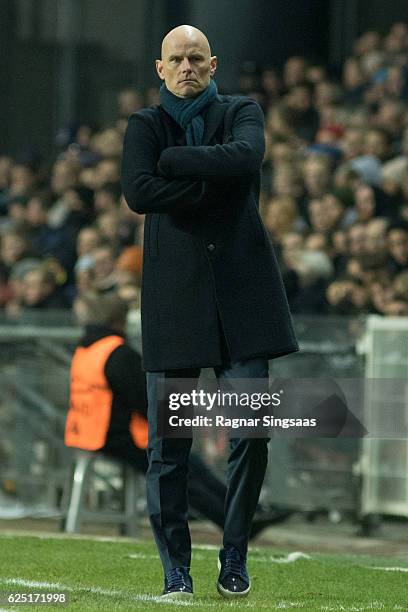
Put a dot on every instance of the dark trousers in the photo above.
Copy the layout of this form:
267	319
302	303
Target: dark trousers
206	492
167	475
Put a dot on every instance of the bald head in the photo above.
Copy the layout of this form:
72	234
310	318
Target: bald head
186	64
182	34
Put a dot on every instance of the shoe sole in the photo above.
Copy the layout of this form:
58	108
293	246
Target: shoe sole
177	595
230	594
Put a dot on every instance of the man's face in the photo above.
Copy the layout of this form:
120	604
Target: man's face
318	216
376	144
398	245
357	239
36	287
186	64
88	240
376	236
353	142
104	263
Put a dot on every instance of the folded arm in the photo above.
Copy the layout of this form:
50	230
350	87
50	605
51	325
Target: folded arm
144	190
241	156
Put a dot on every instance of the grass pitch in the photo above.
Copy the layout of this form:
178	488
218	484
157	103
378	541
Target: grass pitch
123	575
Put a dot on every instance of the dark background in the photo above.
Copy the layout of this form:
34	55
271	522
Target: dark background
65	60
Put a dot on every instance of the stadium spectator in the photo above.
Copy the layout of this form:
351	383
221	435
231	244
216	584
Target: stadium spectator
304	116
281	216
88	239
103	268
39	290
22	180
6	163
15	246
377	144
108	225
294	71
84	278
129	101
107	197
397	237
106	171
64	176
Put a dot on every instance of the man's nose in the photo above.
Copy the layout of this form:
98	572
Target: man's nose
185	65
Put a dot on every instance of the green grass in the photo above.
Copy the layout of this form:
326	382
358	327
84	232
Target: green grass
102	575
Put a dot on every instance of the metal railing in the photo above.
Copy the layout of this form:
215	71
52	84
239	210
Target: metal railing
35	353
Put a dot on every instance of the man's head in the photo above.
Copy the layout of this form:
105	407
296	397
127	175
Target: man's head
92	308
398	242
38	285
14	245
186	64
376	235
357	239
103	262
64	176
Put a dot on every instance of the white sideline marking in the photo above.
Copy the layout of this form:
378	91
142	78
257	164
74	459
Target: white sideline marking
10	533
196	556
290	558
388	569
374	605
99	591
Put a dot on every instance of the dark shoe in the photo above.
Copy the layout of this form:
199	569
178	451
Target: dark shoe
178	583
233	581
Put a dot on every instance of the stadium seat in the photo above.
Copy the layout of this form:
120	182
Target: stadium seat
78	484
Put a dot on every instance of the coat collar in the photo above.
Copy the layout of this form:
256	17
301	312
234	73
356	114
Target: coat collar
213	117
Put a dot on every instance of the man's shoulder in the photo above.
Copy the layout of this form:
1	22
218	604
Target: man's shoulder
148	114
234	104
150	118
236	100
231	98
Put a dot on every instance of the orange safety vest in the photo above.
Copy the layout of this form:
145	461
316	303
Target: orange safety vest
90	407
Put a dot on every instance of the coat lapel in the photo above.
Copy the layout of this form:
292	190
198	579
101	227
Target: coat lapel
212	120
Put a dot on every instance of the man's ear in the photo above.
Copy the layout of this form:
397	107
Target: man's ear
213	64
159	68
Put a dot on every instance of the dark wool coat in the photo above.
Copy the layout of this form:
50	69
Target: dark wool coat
207	259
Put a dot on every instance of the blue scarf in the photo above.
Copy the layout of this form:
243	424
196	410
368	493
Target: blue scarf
187	111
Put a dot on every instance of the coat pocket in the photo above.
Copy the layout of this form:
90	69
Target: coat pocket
257	223
153	235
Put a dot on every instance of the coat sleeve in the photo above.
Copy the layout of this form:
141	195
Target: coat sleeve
241	156
144	190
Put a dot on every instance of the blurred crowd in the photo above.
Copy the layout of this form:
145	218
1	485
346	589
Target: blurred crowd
334	192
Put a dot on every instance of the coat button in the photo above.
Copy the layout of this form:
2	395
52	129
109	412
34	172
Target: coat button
211	247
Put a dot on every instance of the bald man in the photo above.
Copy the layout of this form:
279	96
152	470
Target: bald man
212	292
